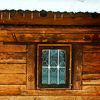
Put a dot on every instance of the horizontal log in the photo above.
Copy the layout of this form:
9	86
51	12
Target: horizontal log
12	48
91	68
5	37
12	68
10	90
51	37
91	76
91	88
91	82
13	57
91	48
12	79
53	97
49	30
91	58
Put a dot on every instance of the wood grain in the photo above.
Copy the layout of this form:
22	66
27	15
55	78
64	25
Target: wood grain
91	82
91	48
10	90
91	58
12	48
91	76
31	69
91	68
77	66
49	97
12	68
7	57
12	79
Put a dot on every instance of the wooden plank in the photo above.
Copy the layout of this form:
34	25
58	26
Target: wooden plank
91	68
49	97
10	90
31	73
4	36
91	58
91	48
91	76
91	88
77	63
12	68
12	48
51	37
91	82
12	79
13	57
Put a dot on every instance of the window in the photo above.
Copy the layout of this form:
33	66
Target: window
54	65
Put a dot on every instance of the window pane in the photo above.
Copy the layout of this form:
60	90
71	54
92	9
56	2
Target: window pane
53	57
53	76
62	76
61	58
44	76
45	57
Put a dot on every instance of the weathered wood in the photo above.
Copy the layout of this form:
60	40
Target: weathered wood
91	88
10	90
5	37
91	76
51	37
12	48
91	82
49	97
12	79
12	68
91	68
91	58
31	70
91	48
35	18
13	57
77	66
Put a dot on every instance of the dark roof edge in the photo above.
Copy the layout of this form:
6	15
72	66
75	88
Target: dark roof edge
20	10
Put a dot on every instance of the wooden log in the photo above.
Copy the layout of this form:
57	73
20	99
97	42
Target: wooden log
31	70
5	37
49	97
12	68
12	79
91	58
13	57
91	48
91	68
12	48
51	37
10	90
77	63
91	82
91	88
91	76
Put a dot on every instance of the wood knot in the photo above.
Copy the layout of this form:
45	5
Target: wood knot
30	78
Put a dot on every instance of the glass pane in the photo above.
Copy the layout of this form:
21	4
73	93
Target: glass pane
44	75
45	57
62	76
62	58
53	76
53	57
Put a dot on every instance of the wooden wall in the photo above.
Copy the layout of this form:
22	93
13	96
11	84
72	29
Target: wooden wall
91	68
12	69
17	61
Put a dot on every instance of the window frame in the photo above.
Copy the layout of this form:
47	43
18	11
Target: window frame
39	77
